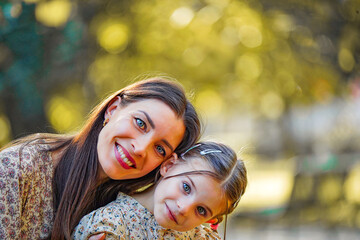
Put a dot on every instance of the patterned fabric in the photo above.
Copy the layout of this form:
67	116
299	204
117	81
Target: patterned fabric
26	203
125	218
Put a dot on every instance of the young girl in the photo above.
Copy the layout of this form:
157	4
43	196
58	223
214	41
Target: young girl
203	185
49	182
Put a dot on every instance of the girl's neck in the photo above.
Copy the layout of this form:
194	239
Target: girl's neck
146	198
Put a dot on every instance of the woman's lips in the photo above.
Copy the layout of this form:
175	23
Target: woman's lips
170	214
123	157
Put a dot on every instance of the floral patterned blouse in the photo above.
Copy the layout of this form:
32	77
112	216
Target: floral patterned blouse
125	218
26	203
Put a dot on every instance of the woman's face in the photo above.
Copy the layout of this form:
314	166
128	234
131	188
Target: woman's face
137	138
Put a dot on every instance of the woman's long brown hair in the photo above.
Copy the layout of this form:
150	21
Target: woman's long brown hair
76	188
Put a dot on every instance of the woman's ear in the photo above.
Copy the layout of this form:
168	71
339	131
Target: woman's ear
112	106
169	163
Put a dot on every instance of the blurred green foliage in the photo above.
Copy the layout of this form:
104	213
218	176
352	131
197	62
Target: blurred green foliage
58	58
244	63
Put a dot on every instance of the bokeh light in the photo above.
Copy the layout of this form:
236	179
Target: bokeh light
5	132
209	102
53	13
181	17
113	36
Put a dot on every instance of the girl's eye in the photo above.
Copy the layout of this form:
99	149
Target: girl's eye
161	150
186	188
201	211
141	124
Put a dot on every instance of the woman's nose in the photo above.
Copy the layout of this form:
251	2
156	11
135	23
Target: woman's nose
141	146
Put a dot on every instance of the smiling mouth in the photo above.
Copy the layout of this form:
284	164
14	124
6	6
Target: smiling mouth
123	158
170	214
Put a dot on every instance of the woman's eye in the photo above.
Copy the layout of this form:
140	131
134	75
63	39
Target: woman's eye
186	188
161	150
140	123
201	211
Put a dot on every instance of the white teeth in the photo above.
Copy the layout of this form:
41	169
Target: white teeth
123	156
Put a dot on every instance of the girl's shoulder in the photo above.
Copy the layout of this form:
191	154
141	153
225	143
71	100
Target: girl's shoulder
203	232
200	232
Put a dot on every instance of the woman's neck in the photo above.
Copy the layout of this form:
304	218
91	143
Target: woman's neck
146	198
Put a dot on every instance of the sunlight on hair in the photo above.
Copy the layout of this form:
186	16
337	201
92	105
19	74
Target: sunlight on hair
113	36
53	13
181	17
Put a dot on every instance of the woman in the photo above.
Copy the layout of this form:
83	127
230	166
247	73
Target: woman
49	182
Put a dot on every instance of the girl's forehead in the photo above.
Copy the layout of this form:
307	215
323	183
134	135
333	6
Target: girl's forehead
197	163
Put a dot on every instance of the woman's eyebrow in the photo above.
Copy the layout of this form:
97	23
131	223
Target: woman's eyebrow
148	118
168	144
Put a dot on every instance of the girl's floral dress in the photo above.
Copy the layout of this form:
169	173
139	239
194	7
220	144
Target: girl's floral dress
26	203
125	218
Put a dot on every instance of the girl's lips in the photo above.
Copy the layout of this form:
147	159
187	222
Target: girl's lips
123	157
170	214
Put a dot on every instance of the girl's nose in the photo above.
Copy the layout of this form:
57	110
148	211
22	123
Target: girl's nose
184	207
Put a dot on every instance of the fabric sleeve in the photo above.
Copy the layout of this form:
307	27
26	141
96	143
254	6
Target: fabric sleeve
25	193
10	194
205	232
108	219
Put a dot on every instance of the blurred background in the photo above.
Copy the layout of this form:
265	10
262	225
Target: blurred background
278	80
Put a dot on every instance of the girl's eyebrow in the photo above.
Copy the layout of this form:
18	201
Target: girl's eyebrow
207	208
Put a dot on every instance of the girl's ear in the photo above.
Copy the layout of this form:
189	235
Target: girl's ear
112	106
169	163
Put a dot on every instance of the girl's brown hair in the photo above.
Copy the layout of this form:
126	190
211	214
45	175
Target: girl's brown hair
228	170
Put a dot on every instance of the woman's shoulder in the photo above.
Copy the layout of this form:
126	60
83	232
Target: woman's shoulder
27	157
32	146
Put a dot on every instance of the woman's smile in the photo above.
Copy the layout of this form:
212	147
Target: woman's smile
123	157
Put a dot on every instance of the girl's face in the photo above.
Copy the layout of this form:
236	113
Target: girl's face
137	138
184	202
